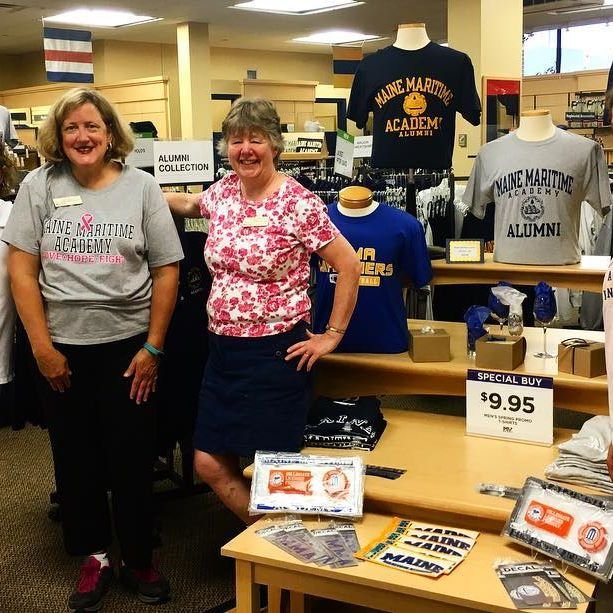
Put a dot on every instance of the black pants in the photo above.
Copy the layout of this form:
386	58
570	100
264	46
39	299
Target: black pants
102	440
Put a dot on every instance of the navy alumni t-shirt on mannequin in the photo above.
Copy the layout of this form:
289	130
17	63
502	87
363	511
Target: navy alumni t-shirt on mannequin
414	96
392	247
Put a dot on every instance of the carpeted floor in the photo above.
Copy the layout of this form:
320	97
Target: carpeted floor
36	575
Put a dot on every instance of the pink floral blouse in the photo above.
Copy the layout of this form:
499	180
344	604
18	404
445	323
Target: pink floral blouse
258	254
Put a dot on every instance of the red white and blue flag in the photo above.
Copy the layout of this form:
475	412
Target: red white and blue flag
68	55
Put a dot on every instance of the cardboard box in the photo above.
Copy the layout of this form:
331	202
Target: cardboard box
429	345
583	358
501	352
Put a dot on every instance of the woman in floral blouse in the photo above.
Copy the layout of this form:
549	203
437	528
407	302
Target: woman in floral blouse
263	228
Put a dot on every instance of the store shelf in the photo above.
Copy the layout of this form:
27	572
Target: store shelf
586	275
359	374
304	157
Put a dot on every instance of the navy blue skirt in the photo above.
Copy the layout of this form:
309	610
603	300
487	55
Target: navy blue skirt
251	398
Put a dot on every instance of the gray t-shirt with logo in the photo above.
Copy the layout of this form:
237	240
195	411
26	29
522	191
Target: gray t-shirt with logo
96	249
537	188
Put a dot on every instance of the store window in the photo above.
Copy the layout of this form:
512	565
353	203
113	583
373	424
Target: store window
540	52
587	47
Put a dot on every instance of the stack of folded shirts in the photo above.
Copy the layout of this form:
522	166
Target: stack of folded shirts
583	458
350	423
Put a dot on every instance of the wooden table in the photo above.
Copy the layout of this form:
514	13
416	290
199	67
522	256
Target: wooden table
473	585
587	275
354	374
443	468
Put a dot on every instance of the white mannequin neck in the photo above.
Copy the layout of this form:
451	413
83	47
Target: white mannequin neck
535	126
352	212
411	36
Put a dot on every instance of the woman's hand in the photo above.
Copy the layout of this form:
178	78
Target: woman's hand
313	348
53	365
144	367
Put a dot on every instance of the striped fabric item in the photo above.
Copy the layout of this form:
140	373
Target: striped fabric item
68	55
345	62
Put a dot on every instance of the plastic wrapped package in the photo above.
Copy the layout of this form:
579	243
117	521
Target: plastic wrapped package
565	525
308	484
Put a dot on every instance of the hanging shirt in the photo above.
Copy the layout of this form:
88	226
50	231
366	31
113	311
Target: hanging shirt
414	97
537	188
391	247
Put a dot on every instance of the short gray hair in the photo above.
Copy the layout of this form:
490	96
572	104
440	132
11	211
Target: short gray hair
249	115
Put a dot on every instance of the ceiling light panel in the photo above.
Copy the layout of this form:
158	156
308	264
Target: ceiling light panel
99	18
295	7
336	37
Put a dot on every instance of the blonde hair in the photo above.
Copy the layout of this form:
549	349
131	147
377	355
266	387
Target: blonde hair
8	172
50	133
249	115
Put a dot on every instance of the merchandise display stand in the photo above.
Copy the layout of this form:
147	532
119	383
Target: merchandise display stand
443	467
438	490
473	585
352	374
587	275
434	488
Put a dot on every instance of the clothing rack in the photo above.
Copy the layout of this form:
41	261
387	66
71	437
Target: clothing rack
401	188
321	180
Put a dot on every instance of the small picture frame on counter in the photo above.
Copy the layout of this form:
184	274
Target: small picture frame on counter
465	251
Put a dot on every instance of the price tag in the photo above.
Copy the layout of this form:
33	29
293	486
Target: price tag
362	147
510	406
343	159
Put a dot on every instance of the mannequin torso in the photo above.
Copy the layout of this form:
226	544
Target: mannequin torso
411	36
392	248
535	125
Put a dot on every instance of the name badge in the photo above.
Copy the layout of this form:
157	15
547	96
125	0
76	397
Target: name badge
67	201
255	222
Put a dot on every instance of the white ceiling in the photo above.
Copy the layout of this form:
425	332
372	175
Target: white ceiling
21	27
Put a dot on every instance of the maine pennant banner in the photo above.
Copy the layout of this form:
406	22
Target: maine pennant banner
68	55
345	62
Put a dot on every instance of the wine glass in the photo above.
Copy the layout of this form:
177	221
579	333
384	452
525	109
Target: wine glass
500	312
544	314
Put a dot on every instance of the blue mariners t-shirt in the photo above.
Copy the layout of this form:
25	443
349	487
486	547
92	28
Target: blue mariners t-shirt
392	248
